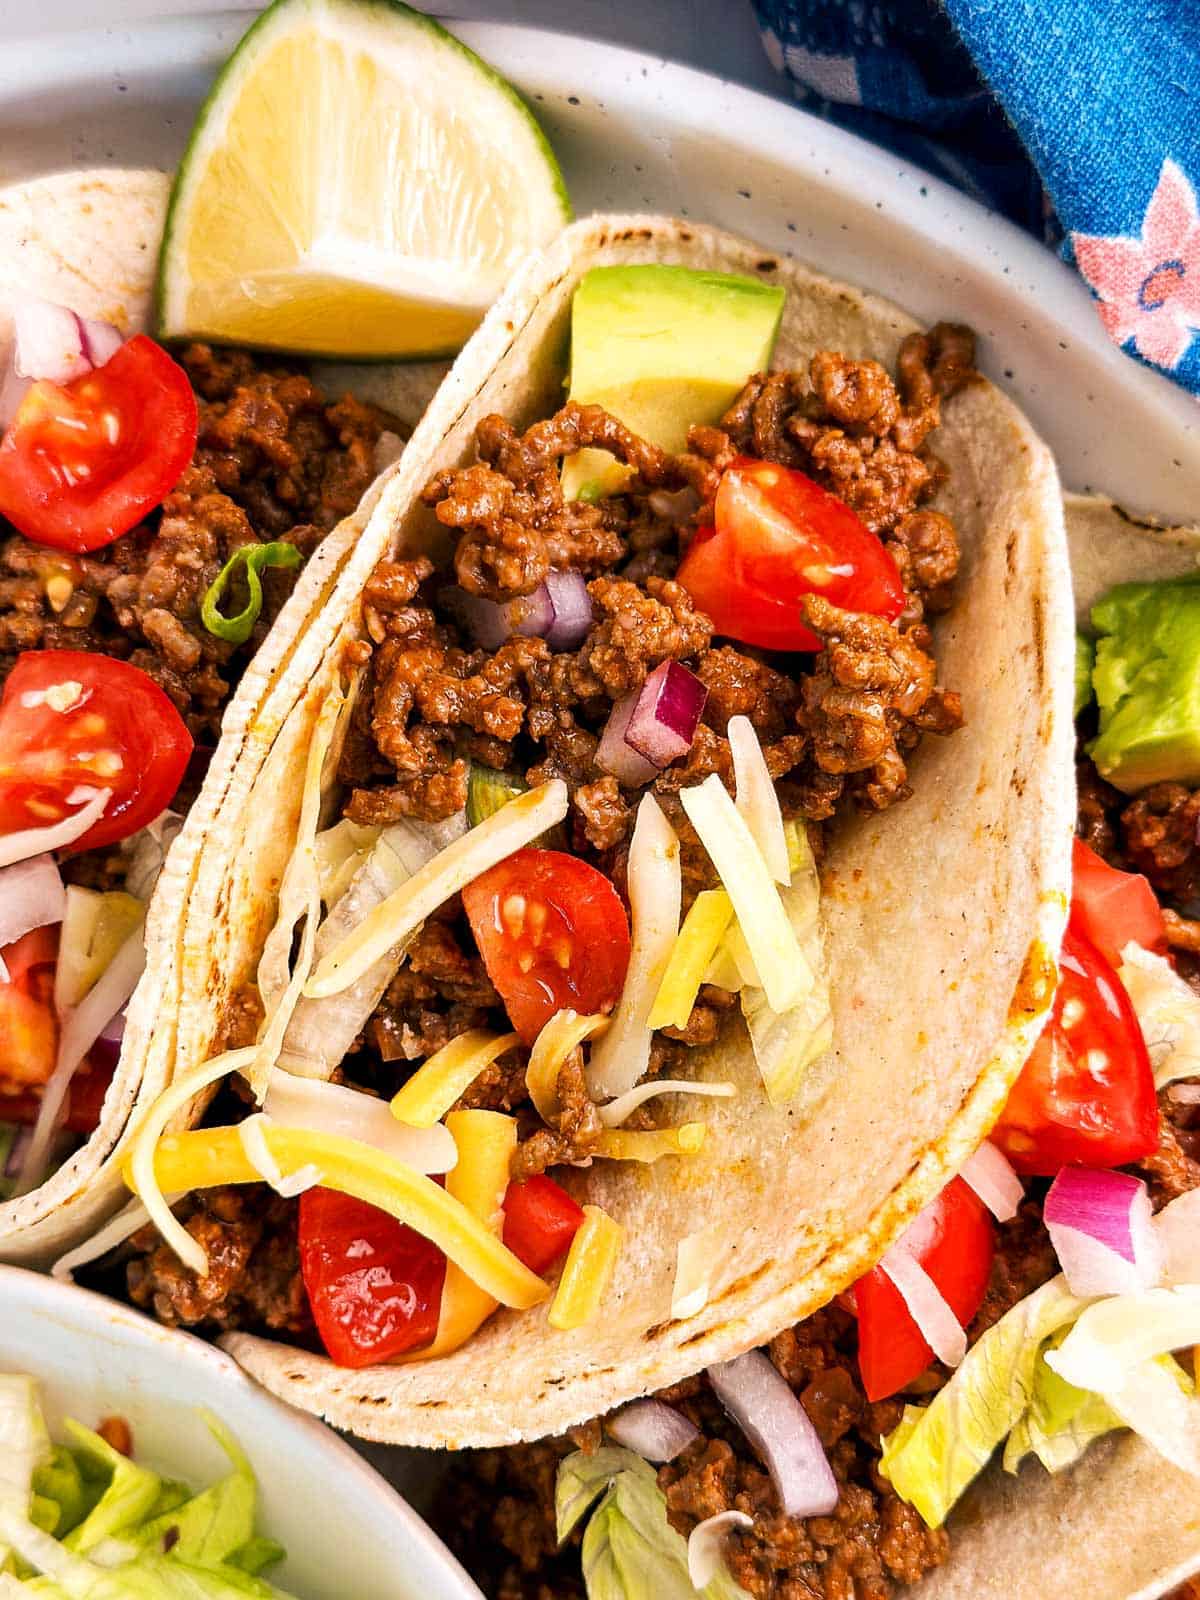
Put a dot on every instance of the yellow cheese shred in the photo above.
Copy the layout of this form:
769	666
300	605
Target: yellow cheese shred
588	1270
479	1181
140	1165
447	1075
692	954
621	1144
565	1032
205	1157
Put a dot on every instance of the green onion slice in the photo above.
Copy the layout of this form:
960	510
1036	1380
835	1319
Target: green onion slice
253	557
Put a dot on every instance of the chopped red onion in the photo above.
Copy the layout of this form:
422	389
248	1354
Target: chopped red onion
652	726
100	340
704	1560
31	895
663	722
989	1172
764	1406
1100	1225
113	1031
927	1306
559	611
54	343
572	607
17	1152
653	1429
613	754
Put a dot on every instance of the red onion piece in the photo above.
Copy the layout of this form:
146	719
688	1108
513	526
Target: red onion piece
663	722
989	1172
572	607
613	754
927	1306
531	614
100	340
17	1152
113	1031
1100	1226
53	343
652	1429
31	895
763	1405
484	620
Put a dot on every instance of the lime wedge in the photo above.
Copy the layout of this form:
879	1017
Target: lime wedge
359	184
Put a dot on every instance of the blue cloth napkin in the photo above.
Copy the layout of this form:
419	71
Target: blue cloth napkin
1079	119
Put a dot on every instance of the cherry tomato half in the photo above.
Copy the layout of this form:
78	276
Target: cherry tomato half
1086	1095
553	934
954	1241
374	1285
777	537
71	719
1114	907
28	1024
83	462
540	1220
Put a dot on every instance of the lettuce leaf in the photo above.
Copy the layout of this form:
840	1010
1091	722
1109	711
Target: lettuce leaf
935	1452
207	1528
127	1490
630	1550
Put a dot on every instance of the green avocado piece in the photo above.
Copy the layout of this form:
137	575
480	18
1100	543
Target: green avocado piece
1147	682
662	348
1085	656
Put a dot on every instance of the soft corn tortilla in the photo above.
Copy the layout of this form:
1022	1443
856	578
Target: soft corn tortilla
1123	1524
941	915
90	240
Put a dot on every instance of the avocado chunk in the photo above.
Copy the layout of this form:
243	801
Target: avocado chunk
1085	655
662	348
1147	682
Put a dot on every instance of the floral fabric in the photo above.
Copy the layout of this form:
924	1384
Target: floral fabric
1079	119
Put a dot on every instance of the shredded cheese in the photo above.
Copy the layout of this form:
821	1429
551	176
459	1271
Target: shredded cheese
692	954
299	897
655	895
519	823
617	1111
258	1153
442	1080
778	959
588	1270
479	1181
205	1157
141	1167
564	1033
757	802
618	1144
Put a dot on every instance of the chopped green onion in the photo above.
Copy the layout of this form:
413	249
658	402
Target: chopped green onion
253	557
488	790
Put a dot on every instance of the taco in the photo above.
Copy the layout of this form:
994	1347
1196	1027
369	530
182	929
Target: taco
1077	1380
525	722
139	574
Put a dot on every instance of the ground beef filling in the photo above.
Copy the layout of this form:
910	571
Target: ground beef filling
274	460
496	1508
836	728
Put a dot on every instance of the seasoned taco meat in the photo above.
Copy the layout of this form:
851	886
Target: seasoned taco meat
274	460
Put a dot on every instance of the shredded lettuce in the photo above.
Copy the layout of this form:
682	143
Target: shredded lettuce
935	1452
1168	1010
80	1521
630	1550
1061	1420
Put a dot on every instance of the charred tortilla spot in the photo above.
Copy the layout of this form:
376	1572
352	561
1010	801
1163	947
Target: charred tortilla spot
1035	985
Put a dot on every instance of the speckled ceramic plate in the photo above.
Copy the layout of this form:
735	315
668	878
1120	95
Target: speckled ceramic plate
632	132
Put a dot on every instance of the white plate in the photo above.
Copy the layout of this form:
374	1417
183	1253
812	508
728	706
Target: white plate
346	1533
636	132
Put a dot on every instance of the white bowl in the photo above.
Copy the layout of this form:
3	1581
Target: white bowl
348	1536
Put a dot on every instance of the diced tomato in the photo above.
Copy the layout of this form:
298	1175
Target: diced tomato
1114	907
374	1285
85	1099
553	935
540	1220
778	536
954	1241
83	462
1086	1095
71	719
28	1025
